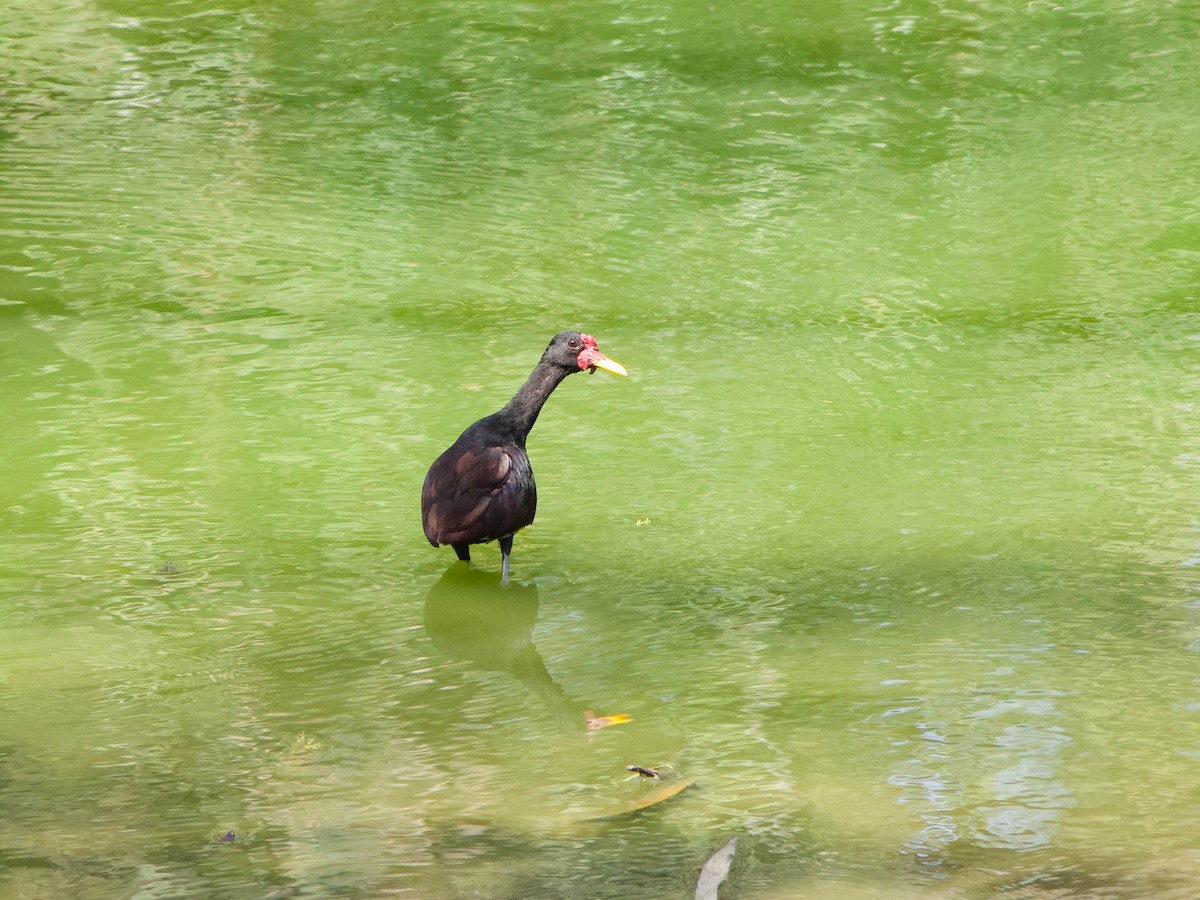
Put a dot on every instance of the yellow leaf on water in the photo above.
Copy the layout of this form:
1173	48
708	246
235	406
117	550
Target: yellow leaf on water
595	723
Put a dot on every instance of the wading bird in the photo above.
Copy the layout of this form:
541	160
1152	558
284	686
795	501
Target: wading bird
481	489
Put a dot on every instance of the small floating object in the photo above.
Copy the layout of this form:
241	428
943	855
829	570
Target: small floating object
228	837
651	799
713	872
654	773
595	723
644	772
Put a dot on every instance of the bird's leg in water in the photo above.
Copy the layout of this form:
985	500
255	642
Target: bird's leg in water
505	549
463	551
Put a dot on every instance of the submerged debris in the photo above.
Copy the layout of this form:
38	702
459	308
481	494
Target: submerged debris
301	746
713	872
652	799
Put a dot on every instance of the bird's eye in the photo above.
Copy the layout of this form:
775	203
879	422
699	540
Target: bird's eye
573	343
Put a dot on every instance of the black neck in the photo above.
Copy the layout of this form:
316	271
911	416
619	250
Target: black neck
522	410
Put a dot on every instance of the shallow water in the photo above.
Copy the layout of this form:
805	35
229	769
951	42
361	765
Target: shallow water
888	541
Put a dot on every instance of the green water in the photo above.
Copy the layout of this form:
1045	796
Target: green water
889	541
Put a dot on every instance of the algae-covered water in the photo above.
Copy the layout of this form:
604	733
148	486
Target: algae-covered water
888	543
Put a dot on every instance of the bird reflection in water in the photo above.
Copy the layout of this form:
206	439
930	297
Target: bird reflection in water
473	618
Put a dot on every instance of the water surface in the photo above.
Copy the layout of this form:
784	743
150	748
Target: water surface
888	541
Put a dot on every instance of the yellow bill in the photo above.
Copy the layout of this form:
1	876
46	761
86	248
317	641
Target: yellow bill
608	365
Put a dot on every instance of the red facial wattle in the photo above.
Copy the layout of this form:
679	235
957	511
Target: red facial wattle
591	358
589	352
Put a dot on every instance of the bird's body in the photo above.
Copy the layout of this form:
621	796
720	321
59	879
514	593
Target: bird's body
482	489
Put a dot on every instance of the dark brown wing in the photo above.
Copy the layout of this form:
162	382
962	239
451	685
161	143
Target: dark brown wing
475	493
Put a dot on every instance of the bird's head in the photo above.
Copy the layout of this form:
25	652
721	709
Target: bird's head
577	352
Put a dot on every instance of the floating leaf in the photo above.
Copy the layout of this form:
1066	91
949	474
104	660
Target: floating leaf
595	723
